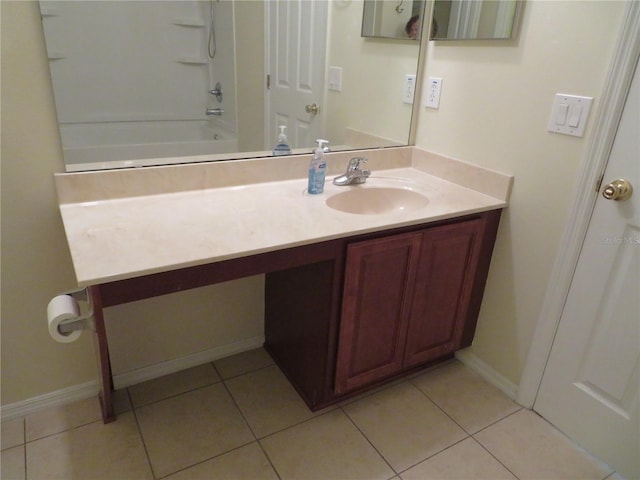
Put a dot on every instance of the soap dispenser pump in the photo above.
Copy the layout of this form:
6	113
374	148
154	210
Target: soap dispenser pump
282	146
317	169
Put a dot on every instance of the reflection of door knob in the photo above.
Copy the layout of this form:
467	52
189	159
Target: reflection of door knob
618	190
313	108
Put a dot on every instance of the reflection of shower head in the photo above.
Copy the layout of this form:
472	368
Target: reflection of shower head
211	44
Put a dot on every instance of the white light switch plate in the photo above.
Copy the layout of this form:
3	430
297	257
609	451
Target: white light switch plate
569	114
335	78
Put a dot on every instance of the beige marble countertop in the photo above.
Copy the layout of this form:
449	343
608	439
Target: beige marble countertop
134	233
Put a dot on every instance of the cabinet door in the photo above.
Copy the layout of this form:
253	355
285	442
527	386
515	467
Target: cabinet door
448	260
375	309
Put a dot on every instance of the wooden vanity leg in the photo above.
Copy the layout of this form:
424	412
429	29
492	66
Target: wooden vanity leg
102	349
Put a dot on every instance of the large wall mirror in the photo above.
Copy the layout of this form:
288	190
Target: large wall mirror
475	19
151	82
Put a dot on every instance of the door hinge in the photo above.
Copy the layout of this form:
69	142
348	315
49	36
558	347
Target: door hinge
599	183
268	81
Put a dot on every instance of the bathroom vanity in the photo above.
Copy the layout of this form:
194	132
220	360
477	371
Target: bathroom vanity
351	299
379	306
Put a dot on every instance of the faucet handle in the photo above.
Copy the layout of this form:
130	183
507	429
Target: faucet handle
355	162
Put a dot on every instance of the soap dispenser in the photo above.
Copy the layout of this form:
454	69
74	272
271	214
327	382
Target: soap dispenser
317	169
282	146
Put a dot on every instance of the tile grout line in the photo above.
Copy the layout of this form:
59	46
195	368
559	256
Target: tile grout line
264	367
486	449
469	435
140	434
493	456
439	408
220	380
368	441
498	421
235	404
24	446
297	424
256	439
182	469
259	440
266	455
436	453
453	420
69	429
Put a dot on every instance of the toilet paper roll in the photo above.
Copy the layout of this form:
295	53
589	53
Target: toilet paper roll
60	309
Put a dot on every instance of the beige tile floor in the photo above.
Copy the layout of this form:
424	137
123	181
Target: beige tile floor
239	418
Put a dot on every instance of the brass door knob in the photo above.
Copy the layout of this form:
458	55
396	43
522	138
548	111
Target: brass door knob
313	108
618	190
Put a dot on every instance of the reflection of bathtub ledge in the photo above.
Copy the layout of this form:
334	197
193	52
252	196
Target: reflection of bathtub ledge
358	139
95	146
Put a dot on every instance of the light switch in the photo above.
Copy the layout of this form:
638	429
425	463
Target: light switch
335	78
576	113
561	114
569	114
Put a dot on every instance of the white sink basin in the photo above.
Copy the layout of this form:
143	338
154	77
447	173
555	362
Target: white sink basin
376	200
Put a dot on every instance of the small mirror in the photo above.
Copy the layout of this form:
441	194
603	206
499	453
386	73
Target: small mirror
401	19
474	19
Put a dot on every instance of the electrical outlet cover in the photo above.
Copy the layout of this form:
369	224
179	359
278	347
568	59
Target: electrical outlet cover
409	88
433	89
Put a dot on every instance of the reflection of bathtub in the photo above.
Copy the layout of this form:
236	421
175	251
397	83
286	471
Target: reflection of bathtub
124	144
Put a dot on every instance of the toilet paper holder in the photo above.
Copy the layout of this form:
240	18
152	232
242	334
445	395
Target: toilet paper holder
83	322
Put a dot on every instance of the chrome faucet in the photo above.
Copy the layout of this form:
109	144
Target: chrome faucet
354	174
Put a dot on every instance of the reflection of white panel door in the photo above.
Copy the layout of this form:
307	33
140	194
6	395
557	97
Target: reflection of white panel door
296	45
590	388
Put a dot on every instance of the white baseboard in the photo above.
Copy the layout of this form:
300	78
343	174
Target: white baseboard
126	379
488	373
92	388
50	400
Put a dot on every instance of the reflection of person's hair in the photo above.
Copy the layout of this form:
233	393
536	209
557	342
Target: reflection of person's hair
412	27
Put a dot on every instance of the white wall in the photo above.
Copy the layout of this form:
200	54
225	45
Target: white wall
495	104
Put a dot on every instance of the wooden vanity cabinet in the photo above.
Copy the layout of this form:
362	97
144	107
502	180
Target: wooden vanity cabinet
405	301
386	304
379	280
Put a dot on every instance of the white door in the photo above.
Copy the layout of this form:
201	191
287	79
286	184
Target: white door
590	387
296	46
